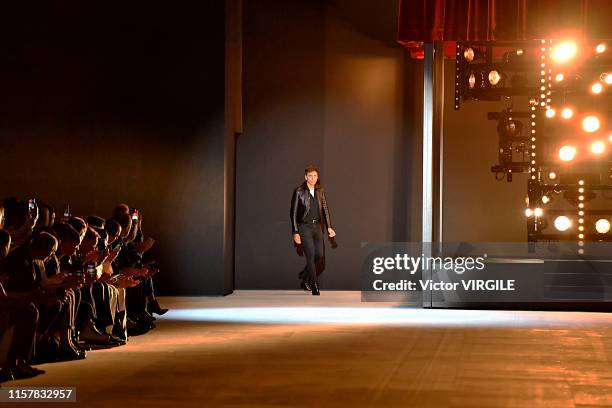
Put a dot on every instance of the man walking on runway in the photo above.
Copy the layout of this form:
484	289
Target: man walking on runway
309	215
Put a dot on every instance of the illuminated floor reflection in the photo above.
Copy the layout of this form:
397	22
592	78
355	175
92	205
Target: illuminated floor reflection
387	316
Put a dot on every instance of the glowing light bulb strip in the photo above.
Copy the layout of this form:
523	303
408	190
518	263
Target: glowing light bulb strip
549	78
543	102
581	195
457	79
532	145
543	73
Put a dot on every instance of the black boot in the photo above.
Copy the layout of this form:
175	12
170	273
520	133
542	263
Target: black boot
315	289
306	286
155	308
6	374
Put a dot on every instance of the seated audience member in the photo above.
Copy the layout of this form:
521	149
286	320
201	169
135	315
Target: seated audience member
22	270
19	219
87	257
70	286
46	216
141	301
18	321
105	294
61	338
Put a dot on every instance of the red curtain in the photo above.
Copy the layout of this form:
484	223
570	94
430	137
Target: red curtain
488	20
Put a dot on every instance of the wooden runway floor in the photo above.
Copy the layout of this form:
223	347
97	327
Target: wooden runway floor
286	348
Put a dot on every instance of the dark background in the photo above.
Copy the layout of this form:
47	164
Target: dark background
325	83
127	102
122	102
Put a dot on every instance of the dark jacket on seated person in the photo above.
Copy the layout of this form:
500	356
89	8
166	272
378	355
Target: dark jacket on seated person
24	274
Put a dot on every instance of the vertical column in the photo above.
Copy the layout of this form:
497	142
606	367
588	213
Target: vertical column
433	115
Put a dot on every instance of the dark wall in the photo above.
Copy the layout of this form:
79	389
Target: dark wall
478	208
325	83
105	103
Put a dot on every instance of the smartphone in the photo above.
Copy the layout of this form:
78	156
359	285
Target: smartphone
91	270
116	245
135	215
67	213
31	204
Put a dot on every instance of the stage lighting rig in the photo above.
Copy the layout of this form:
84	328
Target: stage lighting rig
561	140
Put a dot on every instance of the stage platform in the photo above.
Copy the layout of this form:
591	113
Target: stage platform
288	348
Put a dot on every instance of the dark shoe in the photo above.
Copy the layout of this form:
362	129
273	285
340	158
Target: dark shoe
70	354
315	289
119	333
47	349
143	317
119	341
26	371
92	336
137	328
155	308
6	374
306	286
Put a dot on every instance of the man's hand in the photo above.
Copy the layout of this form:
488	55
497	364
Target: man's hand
129	271
112	255
297	239
92	256
145	245
56	279
126	282
331	232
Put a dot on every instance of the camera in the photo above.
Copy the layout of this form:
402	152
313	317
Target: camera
135	215
31	204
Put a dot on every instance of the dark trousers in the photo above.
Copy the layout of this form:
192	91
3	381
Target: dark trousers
24	317
312	243
87	307
101	296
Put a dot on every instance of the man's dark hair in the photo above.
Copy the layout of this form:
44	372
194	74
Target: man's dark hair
121	209
42	242
49	208
91	234
95	222
65	232
77	223
310	169
124	219
15	213
112	227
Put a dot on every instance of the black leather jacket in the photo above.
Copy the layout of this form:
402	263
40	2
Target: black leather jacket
300	205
